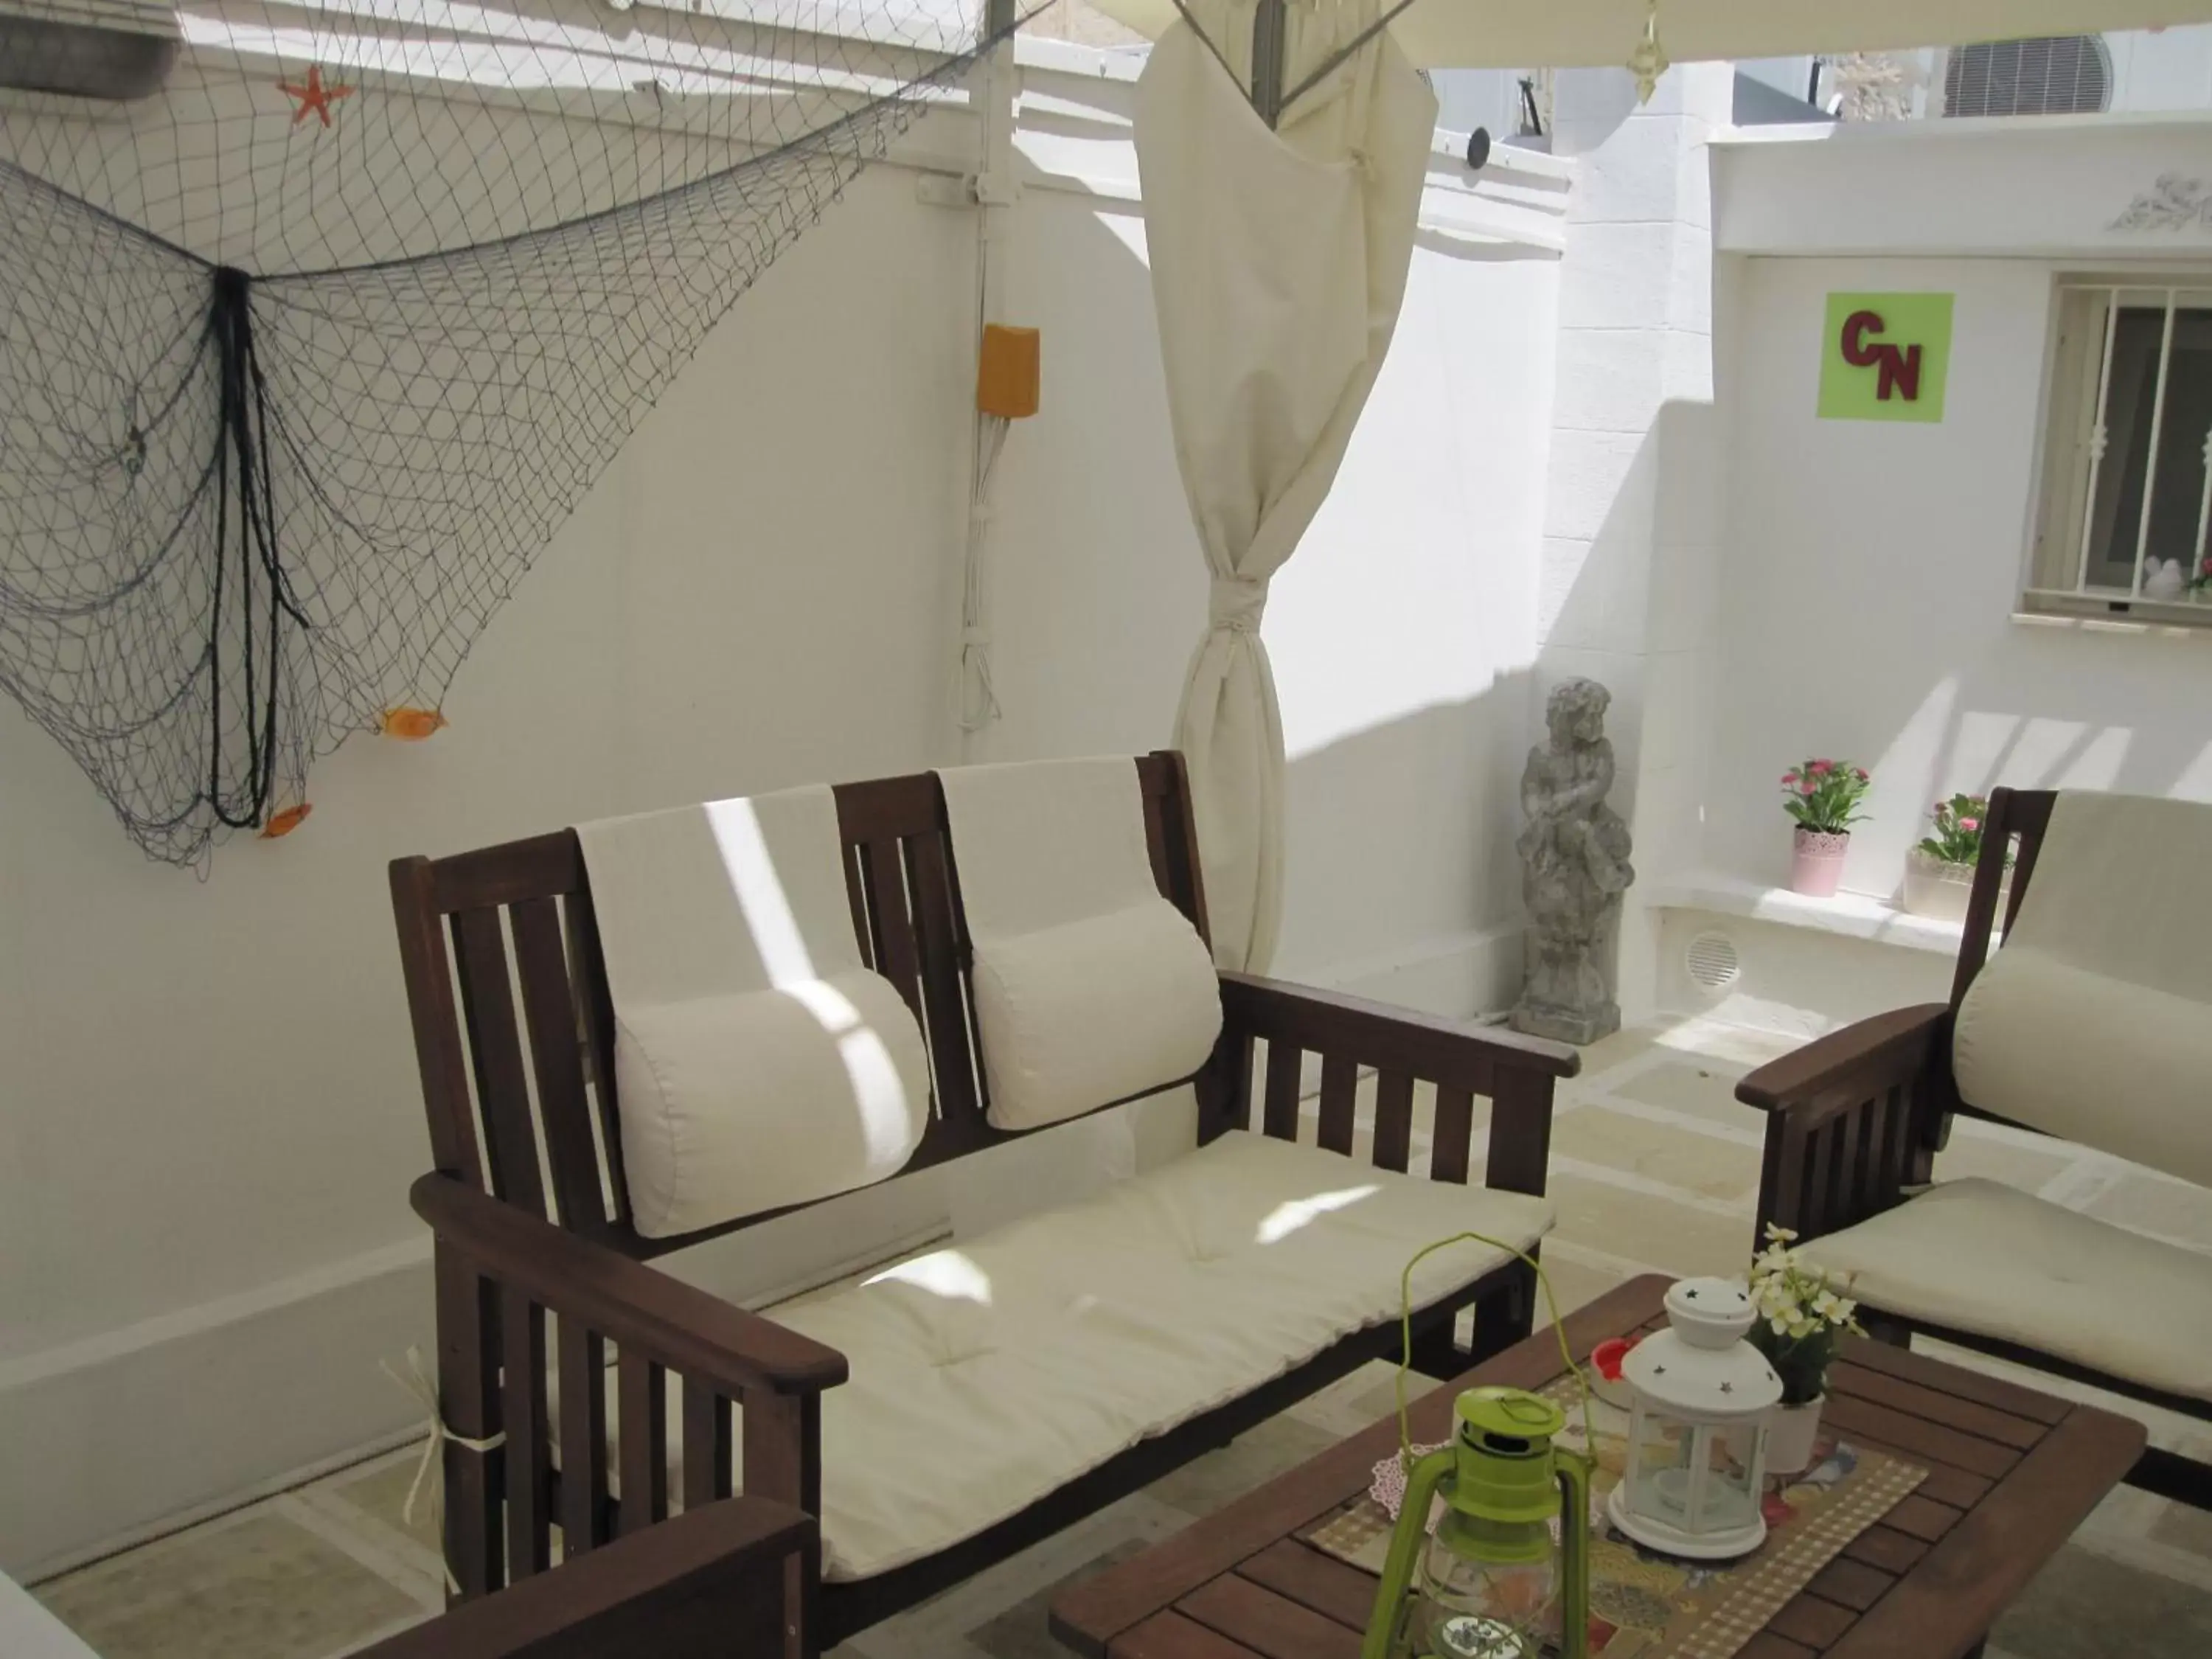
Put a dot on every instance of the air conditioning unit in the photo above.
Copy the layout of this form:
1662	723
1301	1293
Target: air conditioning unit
108	49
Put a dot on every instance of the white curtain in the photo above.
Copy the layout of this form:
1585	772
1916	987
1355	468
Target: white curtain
1278	261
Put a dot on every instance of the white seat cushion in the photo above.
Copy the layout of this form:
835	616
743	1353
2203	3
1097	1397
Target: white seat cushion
985	1375
1984	1259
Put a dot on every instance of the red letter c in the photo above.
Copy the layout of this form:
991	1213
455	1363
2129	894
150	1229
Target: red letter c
1857	327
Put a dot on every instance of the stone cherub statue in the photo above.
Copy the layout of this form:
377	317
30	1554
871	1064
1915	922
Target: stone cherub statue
1574	868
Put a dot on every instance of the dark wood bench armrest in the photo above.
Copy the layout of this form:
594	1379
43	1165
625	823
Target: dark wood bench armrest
1461	1058
1449	1051
708	1582
674	1324
1891	1048
1853	1119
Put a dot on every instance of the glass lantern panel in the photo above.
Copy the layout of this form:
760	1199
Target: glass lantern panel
1731	1499
1470	1609
1661	1490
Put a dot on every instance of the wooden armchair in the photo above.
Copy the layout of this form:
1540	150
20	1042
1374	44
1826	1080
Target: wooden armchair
513	1031
1856	1118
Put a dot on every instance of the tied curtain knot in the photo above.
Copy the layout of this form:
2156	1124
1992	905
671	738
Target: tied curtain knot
1236	603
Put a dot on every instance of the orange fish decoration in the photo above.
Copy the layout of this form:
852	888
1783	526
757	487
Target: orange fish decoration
411	724
285	822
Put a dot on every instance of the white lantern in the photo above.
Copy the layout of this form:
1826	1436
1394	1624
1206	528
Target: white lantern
1697	1435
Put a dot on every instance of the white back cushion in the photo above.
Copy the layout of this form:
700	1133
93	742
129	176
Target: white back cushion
1089	987
2095	1020
757	1061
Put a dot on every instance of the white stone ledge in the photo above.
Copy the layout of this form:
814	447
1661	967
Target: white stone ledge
1848	915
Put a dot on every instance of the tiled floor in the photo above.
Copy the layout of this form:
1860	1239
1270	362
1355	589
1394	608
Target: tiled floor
1655	1165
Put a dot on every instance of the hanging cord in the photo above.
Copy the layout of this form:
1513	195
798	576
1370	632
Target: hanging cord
1405	1334
241	468
979	699
417	1383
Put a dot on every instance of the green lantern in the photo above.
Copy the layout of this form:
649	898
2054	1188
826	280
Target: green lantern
1492	1582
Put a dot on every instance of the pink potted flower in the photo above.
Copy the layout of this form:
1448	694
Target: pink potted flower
1938	874
1822	796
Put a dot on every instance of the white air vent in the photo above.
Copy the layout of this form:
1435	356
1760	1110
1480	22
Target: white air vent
2052	75
1712	962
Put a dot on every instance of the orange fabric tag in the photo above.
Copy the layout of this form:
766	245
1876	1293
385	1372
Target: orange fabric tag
1009	374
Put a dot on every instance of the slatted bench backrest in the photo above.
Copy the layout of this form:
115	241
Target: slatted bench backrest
515	1029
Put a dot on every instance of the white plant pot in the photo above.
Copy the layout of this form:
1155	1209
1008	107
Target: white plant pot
1790	1432
1940	890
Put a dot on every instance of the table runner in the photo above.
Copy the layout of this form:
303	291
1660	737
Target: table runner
1648	1606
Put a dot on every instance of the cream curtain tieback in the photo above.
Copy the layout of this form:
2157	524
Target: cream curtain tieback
417	1383
1236	602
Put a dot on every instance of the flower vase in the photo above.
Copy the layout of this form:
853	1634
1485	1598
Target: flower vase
1790	1432
1940	889
1816	862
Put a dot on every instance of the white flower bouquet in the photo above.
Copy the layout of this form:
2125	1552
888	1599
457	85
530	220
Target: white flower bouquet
1800	1315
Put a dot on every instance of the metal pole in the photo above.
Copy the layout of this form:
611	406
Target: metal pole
2157	429
1270	23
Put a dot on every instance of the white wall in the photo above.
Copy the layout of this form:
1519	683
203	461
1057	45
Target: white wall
1871	573
1871	569
1627	517
210	1085
208	1113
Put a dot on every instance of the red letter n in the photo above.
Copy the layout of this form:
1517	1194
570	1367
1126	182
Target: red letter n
1900	370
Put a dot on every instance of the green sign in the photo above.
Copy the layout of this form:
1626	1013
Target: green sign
1885	357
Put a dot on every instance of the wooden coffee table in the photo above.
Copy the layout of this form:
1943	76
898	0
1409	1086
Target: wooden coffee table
2011	1472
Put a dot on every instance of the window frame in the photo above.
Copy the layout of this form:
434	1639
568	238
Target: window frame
2058	576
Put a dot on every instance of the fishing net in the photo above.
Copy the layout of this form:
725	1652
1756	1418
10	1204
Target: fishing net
317	319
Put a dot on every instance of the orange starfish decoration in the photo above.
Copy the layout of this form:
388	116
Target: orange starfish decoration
315	98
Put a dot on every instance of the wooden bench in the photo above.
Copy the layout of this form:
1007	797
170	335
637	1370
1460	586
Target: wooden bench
1856	1118
513	1031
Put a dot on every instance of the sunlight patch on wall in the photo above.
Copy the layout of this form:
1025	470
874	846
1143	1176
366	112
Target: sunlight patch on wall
2195	782
1128	229
2098	766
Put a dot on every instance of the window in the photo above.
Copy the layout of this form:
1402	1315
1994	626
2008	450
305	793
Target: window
2052	75
2127	465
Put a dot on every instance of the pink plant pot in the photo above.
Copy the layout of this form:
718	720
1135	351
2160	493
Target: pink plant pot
1816	862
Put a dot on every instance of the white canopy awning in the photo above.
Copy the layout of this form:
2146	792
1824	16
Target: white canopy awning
1567	33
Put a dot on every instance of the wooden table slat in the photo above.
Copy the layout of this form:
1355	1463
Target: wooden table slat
1767	1646
1945	1379
1958	1488
1919	1437
1168	1635
1816	1623
1334	1588
1863	1382
1853	1584
1923	1518
1270	1625
1885	1547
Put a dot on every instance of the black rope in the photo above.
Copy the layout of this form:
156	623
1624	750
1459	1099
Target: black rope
242	467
